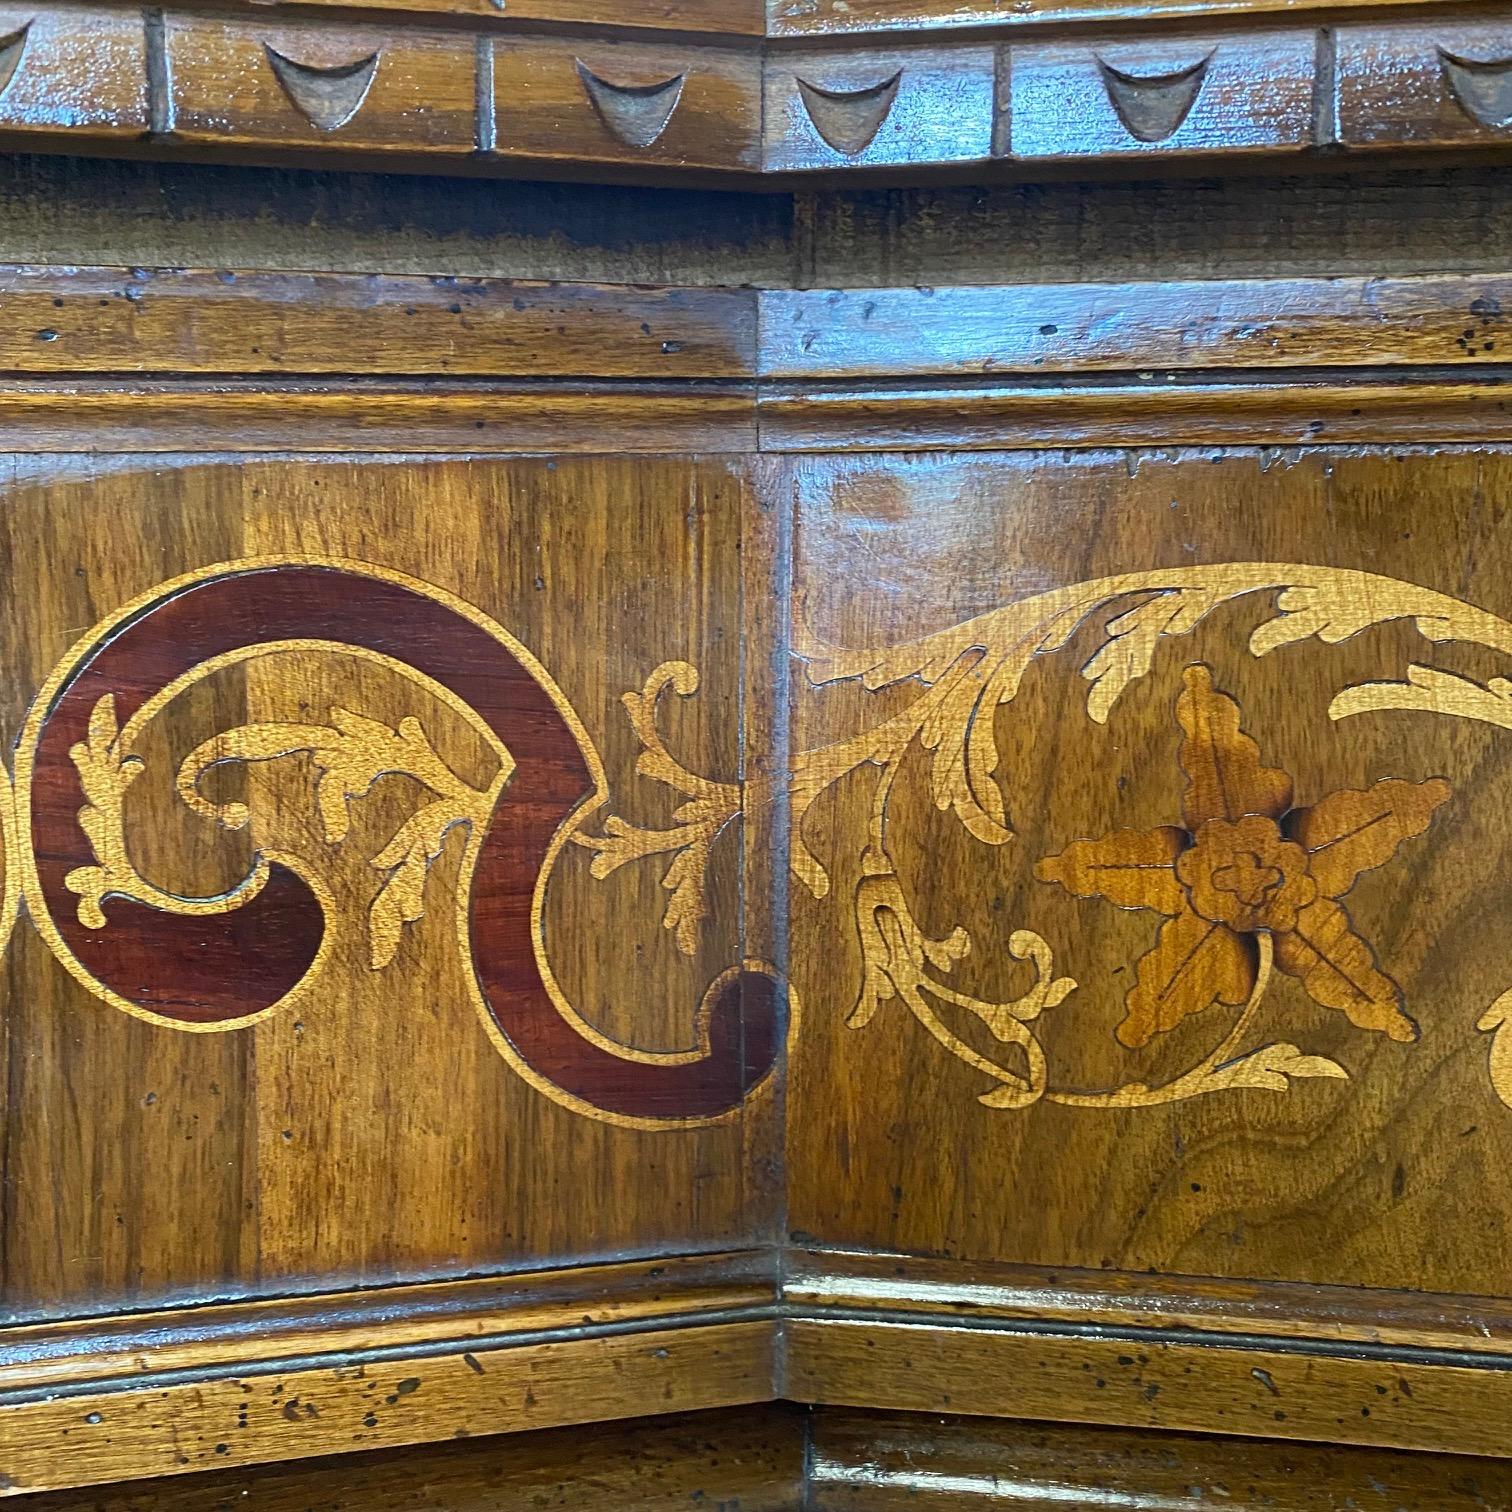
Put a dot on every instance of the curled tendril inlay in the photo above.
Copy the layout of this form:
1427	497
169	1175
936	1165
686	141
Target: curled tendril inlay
971	670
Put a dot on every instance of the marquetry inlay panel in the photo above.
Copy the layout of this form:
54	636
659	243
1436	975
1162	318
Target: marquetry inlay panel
575	851
1144	815
284	813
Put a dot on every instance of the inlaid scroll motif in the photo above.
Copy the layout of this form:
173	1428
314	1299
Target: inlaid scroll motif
1249	878
1248	882
224	961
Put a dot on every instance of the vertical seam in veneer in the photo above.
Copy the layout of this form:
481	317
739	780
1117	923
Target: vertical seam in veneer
159	75
486	128
806	1471
1002	101
1326	89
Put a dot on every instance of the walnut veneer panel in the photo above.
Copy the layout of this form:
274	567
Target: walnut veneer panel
396	968
1146	861
376	1126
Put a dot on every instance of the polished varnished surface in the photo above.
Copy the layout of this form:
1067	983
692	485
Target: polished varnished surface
700	91
589	850
748	1460
1347	1172
414	1170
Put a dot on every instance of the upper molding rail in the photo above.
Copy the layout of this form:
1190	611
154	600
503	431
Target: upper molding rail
857	18
179	359
544	96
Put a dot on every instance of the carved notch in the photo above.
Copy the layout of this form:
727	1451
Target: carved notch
636	113
848	119
326	97
1153	106
12	46
1483	90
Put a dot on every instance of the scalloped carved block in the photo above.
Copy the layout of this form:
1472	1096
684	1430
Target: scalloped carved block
1187	95
848	119
636	113
1422	85
321	87
327	97
622	102
65	68
877	108
1153	105
11	49
1484	89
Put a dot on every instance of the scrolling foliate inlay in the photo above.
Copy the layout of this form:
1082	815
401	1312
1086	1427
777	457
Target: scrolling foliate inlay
227	960
1247	883
1249	877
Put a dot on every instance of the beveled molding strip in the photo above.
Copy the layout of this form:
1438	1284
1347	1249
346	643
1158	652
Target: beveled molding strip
86	1401
554	88
1259	1359
1271	362
140	360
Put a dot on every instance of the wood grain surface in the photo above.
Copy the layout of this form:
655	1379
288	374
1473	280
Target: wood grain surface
1314	1178
1171	324
182	321
295	1411
880	1286
418	1174
1325	407
750	1459
871	1462
828	18
1100	728
1169	1384
912	91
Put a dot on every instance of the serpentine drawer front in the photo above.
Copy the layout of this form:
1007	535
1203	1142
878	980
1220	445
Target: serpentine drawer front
829	833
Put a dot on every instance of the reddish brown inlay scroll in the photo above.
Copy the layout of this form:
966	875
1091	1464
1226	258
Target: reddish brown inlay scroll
216	968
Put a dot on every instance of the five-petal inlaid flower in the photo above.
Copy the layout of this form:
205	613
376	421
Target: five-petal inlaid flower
1243	863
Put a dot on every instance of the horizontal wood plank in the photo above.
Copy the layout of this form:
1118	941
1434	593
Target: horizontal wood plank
133	320
300	1411
1162	1383
748	1459
741	18
879	1462
828	18
38	1358
939	1291
421	417
990	416
1194	324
